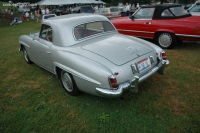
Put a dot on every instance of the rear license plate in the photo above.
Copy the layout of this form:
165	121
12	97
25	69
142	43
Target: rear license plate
144	65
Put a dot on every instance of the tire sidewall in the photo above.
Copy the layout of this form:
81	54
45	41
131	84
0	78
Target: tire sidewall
75	91
173	41
26	57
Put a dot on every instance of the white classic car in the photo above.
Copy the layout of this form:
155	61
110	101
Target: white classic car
87	53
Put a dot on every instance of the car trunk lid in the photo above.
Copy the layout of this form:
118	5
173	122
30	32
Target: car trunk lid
117	49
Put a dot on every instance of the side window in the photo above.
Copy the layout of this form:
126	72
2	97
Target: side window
46	33
144	13
166	13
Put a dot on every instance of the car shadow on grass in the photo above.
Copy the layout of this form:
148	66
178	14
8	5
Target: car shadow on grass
188	45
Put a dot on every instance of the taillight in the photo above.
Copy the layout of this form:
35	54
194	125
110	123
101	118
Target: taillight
113	82
109	14
164	56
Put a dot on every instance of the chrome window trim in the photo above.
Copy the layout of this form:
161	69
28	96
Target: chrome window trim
137	31
184	35
93	34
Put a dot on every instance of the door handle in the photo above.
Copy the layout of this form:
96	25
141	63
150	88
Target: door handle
47	52
147	23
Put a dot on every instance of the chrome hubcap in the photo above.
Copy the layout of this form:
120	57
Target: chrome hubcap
165	40
25	55
67	81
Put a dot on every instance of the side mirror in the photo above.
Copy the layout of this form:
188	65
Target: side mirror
131	17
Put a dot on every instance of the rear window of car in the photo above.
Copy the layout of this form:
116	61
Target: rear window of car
86	9
92	28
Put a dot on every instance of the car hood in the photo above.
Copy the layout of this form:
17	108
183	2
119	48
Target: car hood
195	13
116	48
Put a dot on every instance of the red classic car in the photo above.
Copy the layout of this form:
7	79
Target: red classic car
167	24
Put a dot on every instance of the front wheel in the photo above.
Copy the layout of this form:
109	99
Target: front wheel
26	57
166	40
69	83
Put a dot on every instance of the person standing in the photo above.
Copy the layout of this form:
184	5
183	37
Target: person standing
47	10
43	11
32	17
38	16
27	16
127	9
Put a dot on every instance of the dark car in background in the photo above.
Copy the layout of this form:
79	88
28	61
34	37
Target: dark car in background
60	11
83	9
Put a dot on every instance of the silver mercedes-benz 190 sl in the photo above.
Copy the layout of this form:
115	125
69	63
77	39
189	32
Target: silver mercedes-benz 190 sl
87	54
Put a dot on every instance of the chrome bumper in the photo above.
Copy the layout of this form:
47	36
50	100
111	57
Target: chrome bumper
132	84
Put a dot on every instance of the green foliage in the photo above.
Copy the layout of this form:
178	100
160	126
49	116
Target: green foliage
33	100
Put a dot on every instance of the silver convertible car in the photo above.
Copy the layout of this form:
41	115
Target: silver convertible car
86	52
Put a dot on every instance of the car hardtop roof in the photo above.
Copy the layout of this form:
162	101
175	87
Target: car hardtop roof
75	16
74	19
63	26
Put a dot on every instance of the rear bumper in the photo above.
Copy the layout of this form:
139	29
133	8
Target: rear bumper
133	83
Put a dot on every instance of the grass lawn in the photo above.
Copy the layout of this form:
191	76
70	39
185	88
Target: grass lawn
33	100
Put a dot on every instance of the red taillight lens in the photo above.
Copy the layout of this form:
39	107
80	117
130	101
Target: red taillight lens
109	14
164	56
113	82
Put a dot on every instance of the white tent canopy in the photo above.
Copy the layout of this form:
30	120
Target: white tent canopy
68	2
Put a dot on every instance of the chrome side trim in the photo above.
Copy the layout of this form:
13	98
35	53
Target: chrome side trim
147	32
23	43
184	35
75	73
132	85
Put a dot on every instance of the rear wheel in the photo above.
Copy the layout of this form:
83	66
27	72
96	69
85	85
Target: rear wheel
166	40
26	57
69	83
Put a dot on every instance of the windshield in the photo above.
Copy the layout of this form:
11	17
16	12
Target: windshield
92	28
195	8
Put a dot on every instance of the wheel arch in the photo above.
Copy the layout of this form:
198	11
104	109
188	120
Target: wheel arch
60	67
161	31
58	71
175	39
